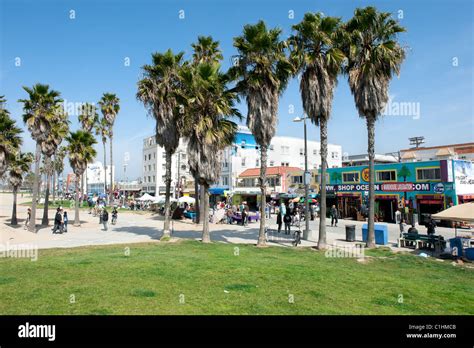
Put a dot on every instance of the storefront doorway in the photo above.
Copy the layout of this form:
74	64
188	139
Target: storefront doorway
385	208
428	206
349	204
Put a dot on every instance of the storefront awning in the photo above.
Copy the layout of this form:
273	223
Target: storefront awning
218	190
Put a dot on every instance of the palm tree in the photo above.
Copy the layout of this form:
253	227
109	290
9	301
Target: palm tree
88	119
206	50
208	103
374	55
59	129
10	139
39	115
263	71
58	166
81	152
102	130
157	91
19	166
109	105
315	55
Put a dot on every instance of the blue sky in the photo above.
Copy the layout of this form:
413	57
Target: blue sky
85	56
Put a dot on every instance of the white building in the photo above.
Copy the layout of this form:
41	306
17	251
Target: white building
463	151
244	154
283	151
154	167
96	177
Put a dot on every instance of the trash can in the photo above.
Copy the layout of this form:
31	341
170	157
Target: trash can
350	233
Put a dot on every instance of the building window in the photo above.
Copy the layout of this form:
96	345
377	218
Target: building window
226	181
285	164
153	178
301	152
149	167
144	179
183	156
350	177
149	156
285	150
272	147
149	179
257	163
145	157
163	178
144	168
297	179
154	167
386	175
272	163
163	154
243	161
183	167
274	181
333	154
163	166
315	152
428	174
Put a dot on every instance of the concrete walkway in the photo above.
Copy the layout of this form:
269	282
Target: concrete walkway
147	227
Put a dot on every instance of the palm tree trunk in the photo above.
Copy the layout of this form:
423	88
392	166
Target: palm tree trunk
166	227
206	238
322	198
82	189
111	172
14	219
32	225
54	187
371	153
263	197
45	220
196	203
105	169
77	221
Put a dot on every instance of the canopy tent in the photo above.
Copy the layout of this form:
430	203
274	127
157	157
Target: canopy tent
146	197
186	199
459	213
161	200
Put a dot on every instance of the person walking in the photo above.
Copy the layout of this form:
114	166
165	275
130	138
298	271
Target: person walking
105	218
65	221
57	221
28	218
287	221
333	216
279	221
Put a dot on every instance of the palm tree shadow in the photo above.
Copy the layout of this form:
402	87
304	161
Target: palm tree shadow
152	232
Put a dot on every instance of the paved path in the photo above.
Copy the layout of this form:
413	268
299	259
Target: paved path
147	227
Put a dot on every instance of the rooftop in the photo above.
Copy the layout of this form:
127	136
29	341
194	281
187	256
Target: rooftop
281	170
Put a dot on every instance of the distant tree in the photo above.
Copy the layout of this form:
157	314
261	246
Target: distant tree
10	139
19	166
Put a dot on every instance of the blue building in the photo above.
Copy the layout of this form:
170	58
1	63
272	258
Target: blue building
414	188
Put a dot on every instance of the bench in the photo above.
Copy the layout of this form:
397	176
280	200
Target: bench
421	241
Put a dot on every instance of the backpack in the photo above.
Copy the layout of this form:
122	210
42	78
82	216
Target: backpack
105	216
287	218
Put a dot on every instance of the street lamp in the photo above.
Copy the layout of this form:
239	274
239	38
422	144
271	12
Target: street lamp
306	177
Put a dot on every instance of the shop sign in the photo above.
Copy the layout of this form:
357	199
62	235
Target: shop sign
402	186
366	174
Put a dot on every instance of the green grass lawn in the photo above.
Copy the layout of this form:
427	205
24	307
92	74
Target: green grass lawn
212	280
